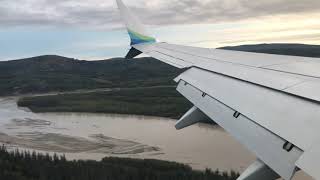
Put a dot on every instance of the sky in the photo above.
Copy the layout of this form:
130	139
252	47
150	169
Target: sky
93	30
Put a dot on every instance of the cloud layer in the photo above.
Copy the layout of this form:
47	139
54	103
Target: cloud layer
97	14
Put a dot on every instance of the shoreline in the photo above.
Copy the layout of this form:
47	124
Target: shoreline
57	166
157	101
17	97
79	91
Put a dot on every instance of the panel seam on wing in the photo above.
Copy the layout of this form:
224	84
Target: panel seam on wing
276	64
213	59
304	75
295	85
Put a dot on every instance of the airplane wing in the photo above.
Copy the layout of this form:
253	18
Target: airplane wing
269	103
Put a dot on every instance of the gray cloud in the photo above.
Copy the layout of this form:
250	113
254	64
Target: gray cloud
103	13
199	11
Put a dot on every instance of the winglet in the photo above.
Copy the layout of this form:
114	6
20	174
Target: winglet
136	29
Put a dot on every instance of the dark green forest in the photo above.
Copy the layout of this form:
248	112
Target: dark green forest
55	74
16	165
155	101
281	49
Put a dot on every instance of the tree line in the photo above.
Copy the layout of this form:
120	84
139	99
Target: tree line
26	165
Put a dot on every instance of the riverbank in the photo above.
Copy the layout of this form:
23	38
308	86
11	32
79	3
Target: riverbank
97	135
200	146
150	101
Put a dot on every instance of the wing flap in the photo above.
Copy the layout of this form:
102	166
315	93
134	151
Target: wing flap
265	144
276	111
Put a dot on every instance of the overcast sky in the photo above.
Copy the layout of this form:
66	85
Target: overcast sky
92	29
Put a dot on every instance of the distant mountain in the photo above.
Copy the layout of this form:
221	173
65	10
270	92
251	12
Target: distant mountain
284	49
56	73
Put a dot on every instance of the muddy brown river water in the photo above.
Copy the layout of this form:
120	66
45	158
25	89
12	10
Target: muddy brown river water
94	136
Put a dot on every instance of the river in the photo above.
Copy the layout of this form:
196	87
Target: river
94	136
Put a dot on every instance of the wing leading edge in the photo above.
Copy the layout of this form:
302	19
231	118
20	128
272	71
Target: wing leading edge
262	100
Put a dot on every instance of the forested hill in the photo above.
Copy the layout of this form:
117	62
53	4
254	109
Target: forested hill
56	73
283	49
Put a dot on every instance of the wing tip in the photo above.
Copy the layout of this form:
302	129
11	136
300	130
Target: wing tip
136	30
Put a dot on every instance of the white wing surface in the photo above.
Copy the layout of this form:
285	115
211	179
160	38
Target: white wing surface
270	103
